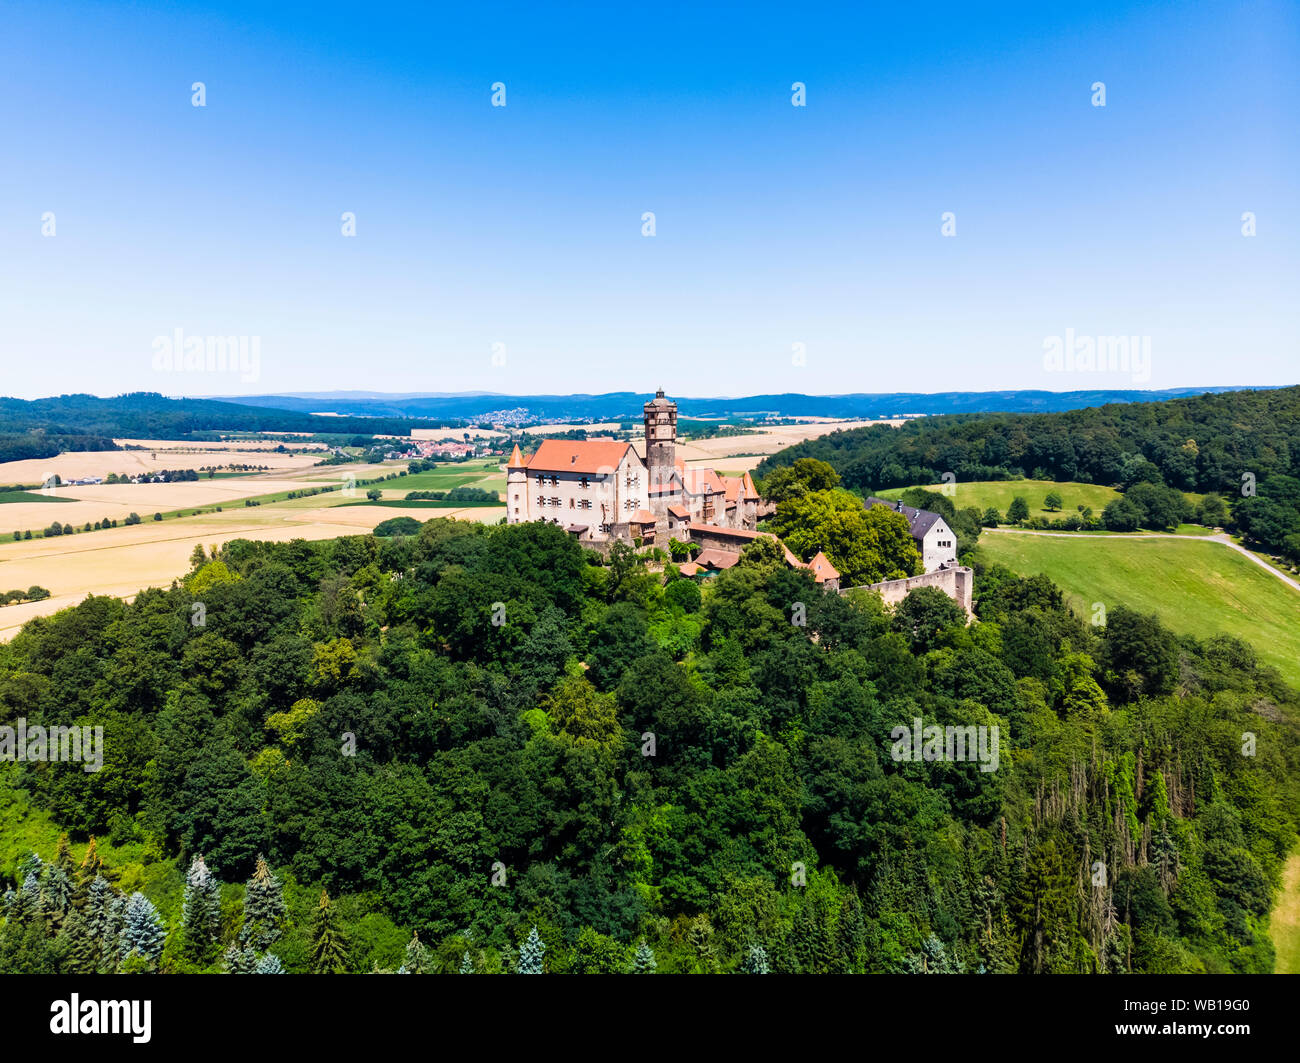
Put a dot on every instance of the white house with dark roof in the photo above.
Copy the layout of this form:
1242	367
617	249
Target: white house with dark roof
934	539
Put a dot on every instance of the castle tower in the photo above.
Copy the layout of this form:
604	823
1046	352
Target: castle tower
516	488
661	451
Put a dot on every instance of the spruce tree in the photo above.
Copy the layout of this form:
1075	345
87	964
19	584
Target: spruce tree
269	964
99	921
755	961
466	964
200	912
31	864
263	908
143	933
417	957
28	904
58	885
531	953
81	948
644	961
88	870
114	922
56	896
329	952
239	960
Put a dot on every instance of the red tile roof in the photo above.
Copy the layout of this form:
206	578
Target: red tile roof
716	558
822	569
586	456
700	481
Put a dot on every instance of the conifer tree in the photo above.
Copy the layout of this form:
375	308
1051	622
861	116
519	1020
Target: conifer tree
200	912
239	960
114	922
100	924
643	962
269	964
28	905
755	961
466	964
58	885
329	953
56	897
7	902
31	864
531	953
82	950
263	908
87	871
417	957
143	933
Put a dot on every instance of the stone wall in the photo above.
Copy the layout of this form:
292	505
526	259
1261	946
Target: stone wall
956	582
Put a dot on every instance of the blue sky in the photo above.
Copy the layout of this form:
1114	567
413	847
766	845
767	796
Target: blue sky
522	225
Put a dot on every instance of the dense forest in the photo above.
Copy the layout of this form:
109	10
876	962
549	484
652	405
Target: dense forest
1239	444
42	428
484	749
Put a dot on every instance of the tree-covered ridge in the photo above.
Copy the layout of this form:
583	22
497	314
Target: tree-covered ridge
1239	444
42	428
478	731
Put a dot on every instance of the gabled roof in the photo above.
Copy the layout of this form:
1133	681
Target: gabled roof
680	512
739	488
919	520
822	569
585	456
700	481
716	559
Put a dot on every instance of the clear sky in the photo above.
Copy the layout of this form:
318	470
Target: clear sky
521	225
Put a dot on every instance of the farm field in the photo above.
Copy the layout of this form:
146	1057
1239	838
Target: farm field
1284	922
122	561
164	455
117	501
1198	588
999	493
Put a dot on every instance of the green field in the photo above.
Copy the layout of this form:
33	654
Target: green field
1198	588
999	493
454	474
30	496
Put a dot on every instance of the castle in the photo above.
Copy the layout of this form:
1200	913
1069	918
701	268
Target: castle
601	488
602	491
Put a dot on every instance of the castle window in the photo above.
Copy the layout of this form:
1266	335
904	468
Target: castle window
583	482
